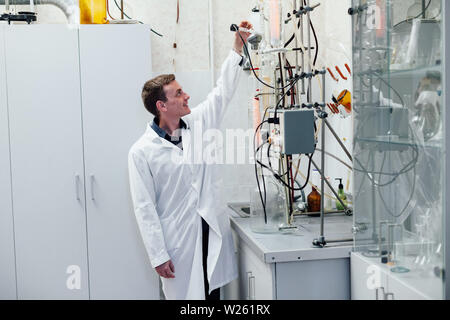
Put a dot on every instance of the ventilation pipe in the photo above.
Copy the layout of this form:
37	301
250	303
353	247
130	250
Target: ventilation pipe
69	7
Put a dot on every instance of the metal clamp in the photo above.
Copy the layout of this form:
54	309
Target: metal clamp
357	10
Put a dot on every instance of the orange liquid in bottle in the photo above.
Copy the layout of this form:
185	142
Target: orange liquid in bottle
93	12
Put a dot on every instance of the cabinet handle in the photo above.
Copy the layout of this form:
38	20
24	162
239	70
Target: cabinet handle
77	186
92	187
387	295
376	293
252	288
249	275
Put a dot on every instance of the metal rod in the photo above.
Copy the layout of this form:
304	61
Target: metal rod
286	190
297	70
303	53
297	213
376	236
423	9
338	139
309	52
322	166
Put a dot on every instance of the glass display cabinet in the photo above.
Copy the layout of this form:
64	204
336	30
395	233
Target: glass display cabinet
399	156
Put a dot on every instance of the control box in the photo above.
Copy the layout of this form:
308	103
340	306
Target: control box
295	132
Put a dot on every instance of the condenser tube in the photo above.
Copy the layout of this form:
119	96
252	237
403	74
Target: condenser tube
275	23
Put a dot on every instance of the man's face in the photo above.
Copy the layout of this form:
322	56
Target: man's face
177	101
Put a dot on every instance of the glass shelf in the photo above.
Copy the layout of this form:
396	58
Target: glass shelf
411	72
399	142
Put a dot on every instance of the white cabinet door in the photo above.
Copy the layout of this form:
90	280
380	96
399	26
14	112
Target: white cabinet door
115	63
257	279
368	279
47	161
7	263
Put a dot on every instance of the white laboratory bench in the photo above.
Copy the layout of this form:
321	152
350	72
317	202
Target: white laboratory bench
288	266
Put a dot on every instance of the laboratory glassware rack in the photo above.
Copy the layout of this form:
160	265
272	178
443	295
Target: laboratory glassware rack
400	163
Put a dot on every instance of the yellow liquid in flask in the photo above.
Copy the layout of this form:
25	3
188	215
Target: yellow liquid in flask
93	12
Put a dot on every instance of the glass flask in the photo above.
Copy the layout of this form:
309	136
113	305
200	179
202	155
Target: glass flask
275	201
93	12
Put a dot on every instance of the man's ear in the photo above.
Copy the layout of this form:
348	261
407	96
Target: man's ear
161	106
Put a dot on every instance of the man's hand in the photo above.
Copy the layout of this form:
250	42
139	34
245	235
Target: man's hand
238	44
166	270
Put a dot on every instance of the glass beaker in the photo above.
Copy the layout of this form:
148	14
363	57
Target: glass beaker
270	219
93	12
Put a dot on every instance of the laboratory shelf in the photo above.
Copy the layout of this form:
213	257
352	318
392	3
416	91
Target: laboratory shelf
384	142
399	73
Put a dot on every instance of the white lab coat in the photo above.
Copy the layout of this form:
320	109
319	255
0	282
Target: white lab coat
172	190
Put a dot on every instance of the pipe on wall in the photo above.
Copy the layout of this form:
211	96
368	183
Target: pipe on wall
70	8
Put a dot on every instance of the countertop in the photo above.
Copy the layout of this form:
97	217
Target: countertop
278	247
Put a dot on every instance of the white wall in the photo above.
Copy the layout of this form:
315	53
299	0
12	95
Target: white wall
190	61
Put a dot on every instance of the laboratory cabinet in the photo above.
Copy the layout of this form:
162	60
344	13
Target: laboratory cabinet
74	110
286	267
400	92
7	260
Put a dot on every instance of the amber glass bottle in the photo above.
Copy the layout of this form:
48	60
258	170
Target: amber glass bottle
93	12
314	202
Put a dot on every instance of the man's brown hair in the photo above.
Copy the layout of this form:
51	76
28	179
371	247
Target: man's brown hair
153	91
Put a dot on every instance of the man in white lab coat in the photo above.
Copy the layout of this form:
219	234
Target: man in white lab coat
186	233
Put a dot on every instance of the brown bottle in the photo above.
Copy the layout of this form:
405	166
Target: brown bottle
314	202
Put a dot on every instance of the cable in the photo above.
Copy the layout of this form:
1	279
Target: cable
407	203
410	19
123	11
107	9
335	157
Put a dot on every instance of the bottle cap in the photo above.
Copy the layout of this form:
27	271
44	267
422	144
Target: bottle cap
341	186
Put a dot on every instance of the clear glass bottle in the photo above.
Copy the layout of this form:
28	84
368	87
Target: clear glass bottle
273	218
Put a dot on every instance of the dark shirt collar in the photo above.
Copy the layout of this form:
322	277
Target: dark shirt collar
161	132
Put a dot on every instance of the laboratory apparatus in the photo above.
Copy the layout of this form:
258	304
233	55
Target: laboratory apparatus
288	121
